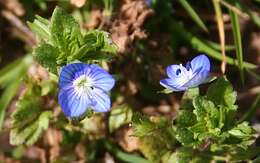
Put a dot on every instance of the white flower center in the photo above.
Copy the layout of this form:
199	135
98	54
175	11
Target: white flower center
83	86
186	75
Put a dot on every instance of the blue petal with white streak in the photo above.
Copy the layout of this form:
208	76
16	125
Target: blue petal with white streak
83	86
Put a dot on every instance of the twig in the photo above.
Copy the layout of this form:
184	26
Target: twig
27	35
221	30
250	92
234	9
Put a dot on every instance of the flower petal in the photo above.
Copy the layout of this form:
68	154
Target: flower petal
68	73
103	103
101	78
169	84
172	71
197	79
71	104
178	75
201	63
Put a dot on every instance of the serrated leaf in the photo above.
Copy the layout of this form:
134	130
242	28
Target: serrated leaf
24	107
202	106
185	136
221	93
242	130
46	55
32	132
181	155
28	122
97	46
119	116
41	27
185	118
42	124
156	135
65	33
207	113
152	148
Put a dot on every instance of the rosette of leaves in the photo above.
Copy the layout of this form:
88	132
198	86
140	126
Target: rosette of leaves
63	42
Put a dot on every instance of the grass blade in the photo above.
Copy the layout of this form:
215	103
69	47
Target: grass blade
254	74
10	80
238	42
217	46
6	98
193	14
251	112
125	157
202	46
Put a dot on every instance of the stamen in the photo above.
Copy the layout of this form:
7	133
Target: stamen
178	71
83	85
188	66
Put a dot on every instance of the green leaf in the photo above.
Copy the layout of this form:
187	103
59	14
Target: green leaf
181	155
32	132
195	17
10	80
15	70
41	27
46	55
242	131
185	118
125	157
97	46
217	46
201	104
205	110
156	135
119	116
27	105
6	98
65	33
153	147
185	136
221	93
28	121
142	125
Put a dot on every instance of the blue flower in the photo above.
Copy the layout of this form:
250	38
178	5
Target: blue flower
84	86
181	78
148	2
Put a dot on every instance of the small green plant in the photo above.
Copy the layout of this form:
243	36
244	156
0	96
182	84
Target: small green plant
205	129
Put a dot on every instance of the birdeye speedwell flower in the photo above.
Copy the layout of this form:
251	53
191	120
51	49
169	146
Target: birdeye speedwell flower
84	86
181	78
